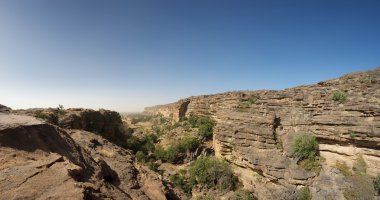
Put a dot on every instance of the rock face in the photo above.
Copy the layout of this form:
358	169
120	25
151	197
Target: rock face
254	130
42	161
175	111
104	122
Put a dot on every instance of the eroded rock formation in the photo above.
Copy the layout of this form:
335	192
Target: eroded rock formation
103	122
42	161
254	130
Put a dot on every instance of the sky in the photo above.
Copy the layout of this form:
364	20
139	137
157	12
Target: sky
126	55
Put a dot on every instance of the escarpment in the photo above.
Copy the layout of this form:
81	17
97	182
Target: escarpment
255	129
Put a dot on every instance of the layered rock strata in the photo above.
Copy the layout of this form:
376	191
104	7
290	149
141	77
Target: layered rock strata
254	130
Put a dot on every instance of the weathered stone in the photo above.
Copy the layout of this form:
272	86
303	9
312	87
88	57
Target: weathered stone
260	132
42	161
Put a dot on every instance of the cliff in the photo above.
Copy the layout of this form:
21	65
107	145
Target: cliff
254	130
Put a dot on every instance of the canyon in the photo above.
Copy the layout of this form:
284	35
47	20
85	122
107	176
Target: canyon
72	153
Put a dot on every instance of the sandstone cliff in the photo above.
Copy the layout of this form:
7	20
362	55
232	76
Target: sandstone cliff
254	130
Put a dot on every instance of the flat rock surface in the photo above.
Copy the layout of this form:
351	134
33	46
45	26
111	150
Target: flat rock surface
13	121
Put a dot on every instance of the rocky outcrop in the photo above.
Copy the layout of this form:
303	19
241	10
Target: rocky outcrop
104	122
254	130
175	111
42	161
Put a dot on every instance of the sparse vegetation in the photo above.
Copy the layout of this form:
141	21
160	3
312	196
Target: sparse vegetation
204	198
242	194
145	144
245	104
352	134
180	181
343	168
360	185
40	114
360	166
253	99
370	79
305	194
213	172
311	164
143	147
305	149
152	165
377	184
139	117
140	156
160	153
339	96
179	147
61	109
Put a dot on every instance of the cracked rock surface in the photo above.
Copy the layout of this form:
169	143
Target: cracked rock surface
42	161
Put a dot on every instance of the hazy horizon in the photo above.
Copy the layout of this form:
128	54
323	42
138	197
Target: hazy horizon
126	55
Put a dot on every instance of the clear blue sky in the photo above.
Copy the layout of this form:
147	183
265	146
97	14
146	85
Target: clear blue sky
125	55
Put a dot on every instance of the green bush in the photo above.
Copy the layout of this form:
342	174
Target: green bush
140	156
253	99
193	121
160	153
305	194
204	124
61	109
205	127
152	165
311	164
134	143
172	154
181	182
176	149
176	125
145	144
180	147
242	194
212	172
305	146
40	114
205	130
339	96
377	183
